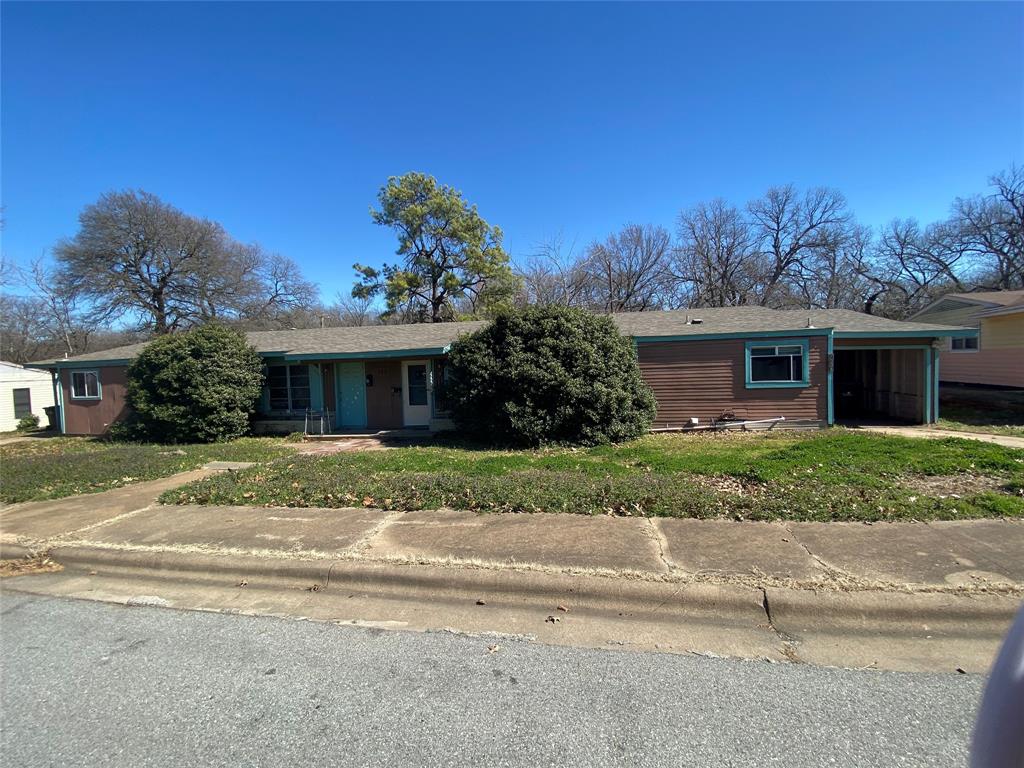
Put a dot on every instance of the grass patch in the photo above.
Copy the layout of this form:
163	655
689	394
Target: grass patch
992	411
834	475
67	466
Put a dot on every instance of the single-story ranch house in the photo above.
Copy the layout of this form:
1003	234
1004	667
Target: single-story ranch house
810	367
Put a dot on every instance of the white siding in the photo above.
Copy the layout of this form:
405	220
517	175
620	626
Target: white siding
39	383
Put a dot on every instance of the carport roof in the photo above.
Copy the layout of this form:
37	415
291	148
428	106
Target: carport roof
427	338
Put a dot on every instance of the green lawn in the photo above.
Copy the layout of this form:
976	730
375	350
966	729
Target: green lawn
66	466
833	475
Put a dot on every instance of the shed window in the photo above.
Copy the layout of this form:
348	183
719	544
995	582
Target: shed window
965	345
289	387
22	403
85	385
777	365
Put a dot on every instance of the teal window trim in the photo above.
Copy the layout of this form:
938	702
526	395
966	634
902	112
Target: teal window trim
85	372
805	381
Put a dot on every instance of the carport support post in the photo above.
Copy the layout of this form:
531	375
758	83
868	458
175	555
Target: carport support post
929	384
937	357
831	393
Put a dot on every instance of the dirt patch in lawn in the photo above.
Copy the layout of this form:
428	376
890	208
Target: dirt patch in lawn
730	486
946	486
26	565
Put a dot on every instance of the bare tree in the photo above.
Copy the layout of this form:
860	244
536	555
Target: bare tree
628	272
715	263
991	229
788	228
136	256
554	275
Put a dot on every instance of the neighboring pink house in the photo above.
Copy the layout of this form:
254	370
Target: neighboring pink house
996	356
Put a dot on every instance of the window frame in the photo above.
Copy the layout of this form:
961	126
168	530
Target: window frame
85	372
965	348
308	387
14	398
805	380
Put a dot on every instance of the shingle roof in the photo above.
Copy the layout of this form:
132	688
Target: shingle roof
423	337
1002	298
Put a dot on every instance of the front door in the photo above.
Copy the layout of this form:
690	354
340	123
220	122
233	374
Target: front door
384	394
415	394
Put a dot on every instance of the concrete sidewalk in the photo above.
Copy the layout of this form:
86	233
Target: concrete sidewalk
957	556
890	595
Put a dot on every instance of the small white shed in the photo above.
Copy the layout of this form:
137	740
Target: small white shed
23	391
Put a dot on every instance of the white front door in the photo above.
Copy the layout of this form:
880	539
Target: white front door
416	393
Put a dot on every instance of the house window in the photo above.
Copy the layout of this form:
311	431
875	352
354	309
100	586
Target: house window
965	345
85	385
441	406
22	403
288	386
783	364
417	375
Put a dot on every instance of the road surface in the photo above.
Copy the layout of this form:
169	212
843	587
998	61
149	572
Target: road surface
95	684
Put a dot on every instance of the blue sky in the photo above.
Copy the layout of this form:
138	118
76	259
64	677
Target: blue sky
282	120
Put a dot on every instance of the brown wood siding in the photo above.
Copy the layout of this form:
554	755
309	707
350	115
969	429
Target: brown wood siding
706	379
94	417
384	397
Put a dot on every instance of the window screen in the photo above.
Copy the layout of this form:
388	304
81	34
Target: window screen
22	403
85	384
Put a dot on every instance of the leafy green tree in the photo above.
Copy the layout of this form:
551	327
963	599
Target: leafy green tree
452	261
548	375
194	387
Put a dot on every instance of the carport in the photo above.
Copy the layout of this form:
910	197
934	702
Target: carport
875	381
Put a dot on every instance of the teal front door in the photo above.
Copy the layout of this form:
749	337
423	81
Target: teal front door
351	387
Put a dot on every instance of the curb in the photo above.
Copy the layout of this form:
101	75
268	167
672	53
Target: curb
791	612
659	601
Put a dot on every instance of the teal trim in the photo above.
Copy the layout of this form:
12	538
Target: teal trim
928	385
350	393
935	381
830	362
966	333
744	335
805	344
391	353
90	363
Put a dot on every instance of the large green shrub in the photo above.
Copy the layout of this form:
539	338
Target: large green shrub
548	375
195	387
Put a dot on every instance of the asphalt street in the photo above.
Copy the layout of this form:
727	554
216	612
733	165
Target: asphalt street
95	684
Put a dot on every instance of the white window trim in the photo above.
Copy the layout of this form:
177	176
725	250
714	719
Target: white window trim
99	385
965	350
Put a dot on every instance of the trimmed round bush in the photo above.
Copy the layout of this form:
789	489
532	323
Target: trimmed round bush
194	387
548	375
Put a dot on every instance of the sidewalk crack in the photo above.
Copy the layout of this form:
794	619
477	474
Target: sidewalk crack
789	643
659	539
